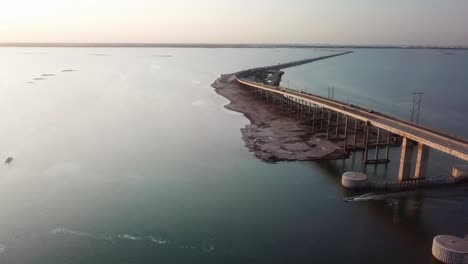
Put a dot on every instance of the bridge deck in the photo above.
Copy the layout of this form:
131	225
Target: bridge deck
446	143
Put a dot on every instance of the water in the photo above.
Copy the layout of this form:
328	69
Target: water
133	159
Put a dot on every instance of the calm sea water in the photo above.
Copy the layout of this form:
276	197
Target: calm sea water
131	158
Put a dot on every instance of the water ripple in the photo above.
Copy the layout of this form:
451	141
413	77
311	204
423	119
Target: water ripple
204	246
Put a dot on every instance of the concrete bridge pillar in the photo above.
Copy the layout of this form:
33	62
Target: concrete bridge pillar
365	158
421	161
405	159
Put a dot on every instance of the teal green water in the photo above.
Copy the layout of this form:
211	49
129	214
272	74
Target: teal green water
133	159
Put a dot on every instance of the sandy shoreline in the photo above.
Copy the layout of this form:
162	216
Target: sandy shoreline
272	135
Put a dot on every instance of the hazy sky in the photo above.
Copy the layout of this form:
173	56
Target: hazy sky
414	22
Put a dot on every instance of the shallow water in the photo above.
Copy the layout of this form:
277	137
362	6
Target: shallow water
131	157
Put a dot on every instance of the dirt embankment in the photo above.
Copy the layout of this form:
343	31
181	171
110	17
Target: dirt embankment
272	135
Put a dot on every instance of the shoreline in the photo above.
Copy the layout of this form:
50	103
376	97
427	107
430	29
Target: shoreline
273	136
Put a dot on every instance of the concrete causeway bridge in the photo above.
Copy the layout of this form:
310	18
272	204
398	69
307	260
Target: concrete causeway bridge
357	127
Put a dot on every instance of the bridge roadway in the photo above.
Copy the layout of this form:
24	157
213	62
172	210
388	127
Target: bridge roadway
446	143
288	64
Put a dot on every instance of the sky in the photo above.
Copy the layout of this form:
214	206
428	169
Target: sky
361	22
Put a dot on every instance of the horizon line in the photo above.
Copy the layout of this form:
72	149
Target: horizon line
219	45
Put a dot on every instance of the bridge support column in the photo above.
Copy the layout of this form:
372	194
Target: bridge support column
298	109
405	159
365	157
337	124
355	133
284	104
302	110
377	146
345	133
421	161
321	118
387	149
313	118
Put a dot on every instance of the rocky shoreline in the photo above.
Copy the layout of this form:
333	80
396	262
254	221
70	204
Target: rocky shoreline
273	135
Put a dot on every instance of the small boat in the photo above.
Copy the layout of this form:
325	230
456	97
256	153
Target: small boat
8	160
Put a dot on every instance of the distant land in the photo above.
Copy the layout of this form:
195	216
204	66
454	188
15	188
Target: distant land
207	45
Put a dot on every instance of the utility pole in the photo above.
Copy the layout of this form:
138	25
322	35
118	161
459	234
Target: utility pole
331	92
417	100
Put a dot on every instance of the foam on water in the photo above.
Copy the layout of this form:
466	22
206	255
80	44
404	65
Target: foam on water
129	237
207	247
111	238
65	231
158	240
203	246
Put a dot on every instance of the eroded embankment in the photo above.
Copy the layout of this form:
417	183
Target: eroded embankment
272	135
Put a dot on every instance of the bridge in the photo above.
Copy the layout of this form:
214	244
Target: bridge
280	66
358	127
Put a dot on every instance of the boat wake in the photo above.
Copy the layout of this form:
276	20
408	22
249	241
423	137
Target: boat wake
414	195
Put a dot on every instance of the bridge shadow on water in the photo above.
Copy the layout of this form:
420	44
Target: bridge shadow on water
415	217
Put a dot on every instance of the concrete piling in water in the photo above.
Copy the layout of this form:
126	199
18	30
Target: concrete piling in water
450	249
354	180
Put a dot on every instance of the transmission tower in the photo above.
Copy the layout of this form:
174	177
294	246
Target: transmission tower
417	100
331	92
